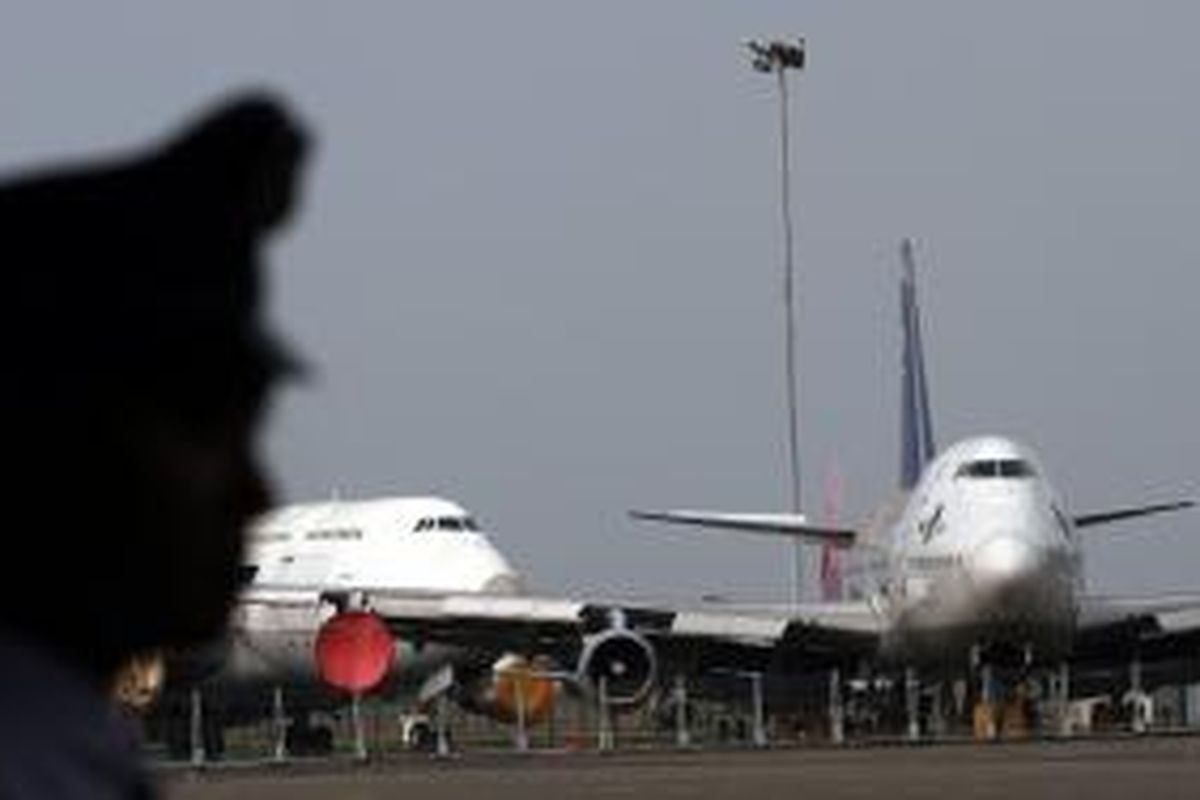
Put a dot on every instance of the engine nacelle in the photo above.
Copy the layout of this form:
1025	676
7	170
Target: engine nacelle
139	681
354	651
624	661
513	687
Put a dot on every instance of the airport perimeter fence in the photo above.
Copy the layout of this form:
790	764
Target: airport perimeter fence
206	727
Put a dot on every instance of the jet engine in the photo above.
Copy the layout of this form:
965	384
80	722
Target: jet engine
354	651
139	681
620	663
513	687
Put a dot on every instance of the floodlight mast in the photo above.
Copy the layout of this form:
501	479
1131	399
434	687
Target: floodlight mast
778	56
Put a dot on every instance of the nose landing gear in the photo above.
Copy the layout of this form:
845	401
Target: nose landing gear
1003	700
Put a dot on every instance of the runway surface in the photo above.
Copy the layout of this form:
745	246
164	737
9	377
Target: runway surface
1138	769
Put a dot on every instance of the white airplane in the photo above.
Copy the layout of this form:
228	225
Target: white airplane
308	564
976	562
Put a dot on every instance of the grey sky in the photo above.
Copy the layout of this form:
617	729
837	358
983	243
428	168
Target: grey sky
538	264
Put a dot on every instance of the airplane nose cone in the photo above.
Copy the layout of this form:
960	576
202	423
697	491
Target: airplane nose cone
1022	592
1004	561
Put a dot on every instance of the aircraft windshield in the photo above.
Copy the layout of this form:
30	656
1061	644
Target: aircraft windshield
996	468
446	524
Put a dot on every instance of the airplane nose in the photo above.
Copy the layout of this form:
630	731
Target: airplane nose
1021	592
1006	560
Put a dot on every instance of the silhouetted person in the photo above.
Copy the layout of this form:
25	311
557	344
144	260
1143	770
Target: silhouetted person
137	369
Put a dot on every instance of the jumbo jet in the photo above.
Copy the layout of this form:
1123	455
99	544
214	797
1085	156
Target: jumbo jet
303	565
977	560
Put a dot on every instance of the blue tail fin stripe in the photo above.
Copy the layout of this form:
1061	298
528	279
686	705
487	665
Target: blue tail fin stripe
916	427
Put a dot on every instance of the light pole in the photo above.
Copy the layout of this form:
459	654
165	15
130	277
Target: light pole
778	56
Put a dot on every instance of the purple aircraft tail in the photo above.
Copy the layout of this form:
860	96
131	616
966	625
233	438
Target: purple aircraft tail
916	429
831	557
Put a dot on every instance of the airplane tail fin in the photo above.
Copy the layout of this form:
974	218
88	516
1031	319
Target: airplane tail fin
916	427
831	556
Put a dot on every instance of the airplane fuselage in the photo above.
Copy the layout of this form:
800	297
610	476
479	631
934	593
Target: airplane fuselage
982	556
300	553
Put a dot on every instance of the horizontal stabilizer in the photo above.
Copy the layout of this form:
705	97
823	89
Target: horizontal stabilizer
794	525
1086	520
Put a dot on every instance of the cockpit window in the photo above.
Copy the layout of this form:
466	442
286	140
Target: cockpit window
996	468
977	469
446	524
1015	468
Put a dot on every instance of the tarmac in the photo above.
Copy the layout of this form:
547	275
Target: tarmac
1141	768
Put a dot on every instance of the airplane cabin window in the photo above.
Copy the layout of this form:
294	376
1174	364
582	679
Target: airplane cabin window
333	534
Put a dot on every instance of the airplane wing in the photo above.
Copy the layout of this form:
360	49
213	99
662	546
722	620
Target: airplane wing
688	637
1152	617
1161	634
699	636
503	619
794	525
1104	517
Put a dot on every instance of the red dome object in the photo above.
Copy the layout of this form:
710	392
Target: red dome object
354	651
